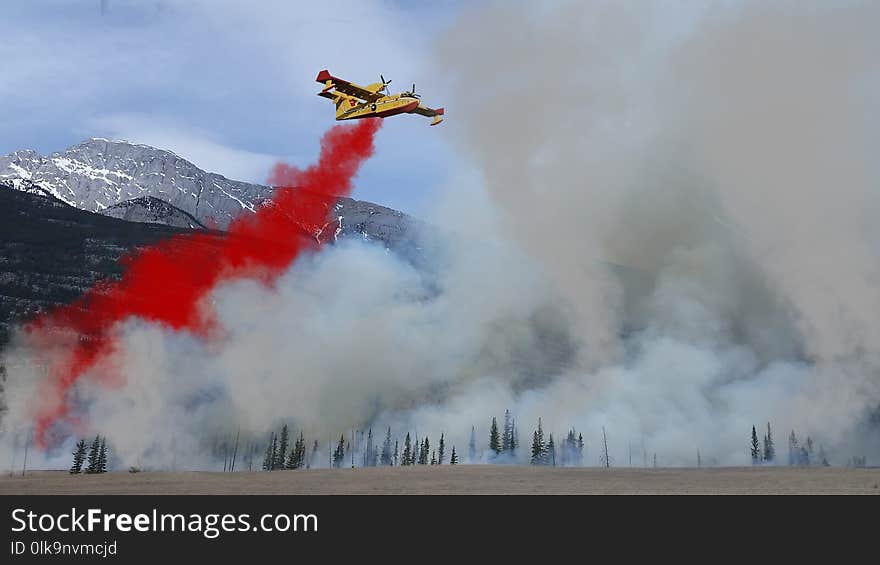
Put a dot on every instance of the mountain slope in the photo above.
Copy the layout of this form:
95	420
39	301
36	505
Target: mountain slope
98	173
150	210
50	253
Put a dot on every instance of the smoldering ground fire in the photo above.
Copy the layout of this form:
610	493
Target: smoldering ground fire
674	244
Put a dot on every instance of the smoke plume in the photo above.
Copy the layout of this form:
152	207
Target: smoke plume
701	180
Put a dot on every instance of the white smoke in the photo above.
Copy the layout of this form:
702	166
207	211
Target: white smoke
666	233
728	159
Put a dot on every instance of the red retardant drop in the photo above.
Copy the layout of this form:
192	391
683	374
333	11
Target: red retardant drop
167	283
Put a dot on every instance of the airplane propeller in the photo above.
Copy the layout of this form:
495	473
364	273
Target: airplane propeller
414	92
384	84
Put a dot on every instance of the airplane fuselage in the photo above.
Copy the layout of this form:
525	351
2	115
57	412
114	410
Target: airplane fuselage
354	109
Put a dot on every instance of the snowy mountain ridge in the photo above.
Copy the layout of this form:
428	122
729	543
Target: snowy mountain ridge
141	183
99	173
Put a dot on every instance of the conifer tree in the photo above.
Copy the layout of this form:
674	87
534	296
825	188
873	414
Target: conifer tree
539	449
102	456
291	457
514	437
441	450
281	452
301	453
572	453
472	446
423	453
453	460
433	457
567	454
369	459
793	449
551	452
79	456
339	452
94	453
541	434
297	457
536	449
396	452
494	437
407	450
508	432
269	457
769	448
756	457
387	456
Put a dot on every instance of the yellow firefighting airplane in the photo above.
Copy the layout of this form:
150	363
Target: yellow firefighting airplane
354	102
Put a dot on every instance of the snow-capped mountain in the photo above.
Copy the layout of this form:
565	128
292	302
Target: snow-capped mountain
98	173
145	184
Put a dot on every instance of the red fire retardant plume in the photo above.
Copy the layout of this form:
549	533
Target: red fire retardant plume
167	283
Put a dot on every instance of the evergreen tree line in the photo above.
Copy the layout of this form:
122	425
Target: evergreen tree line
797	454
281	455
544	453
504	441
92	459
278	456
418	453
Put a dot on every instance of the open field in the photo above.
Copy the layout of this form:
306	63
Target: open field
461	479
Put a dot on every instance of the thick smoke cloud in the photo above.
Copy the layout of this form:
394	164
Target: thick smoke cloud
666	233
345	335
727	160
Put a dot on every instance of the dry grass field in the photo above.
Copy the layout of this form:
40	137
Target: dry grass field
461	479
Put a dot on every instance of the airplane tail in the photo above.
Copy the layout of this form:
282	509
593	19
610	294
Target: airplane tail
342	101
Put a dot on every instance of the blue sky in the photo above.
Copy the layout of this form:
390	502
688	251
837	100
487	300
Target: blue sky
228	84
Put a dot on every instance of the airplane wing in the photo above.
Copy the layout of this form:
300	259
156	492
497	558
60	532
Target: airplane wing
430	113
346	87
